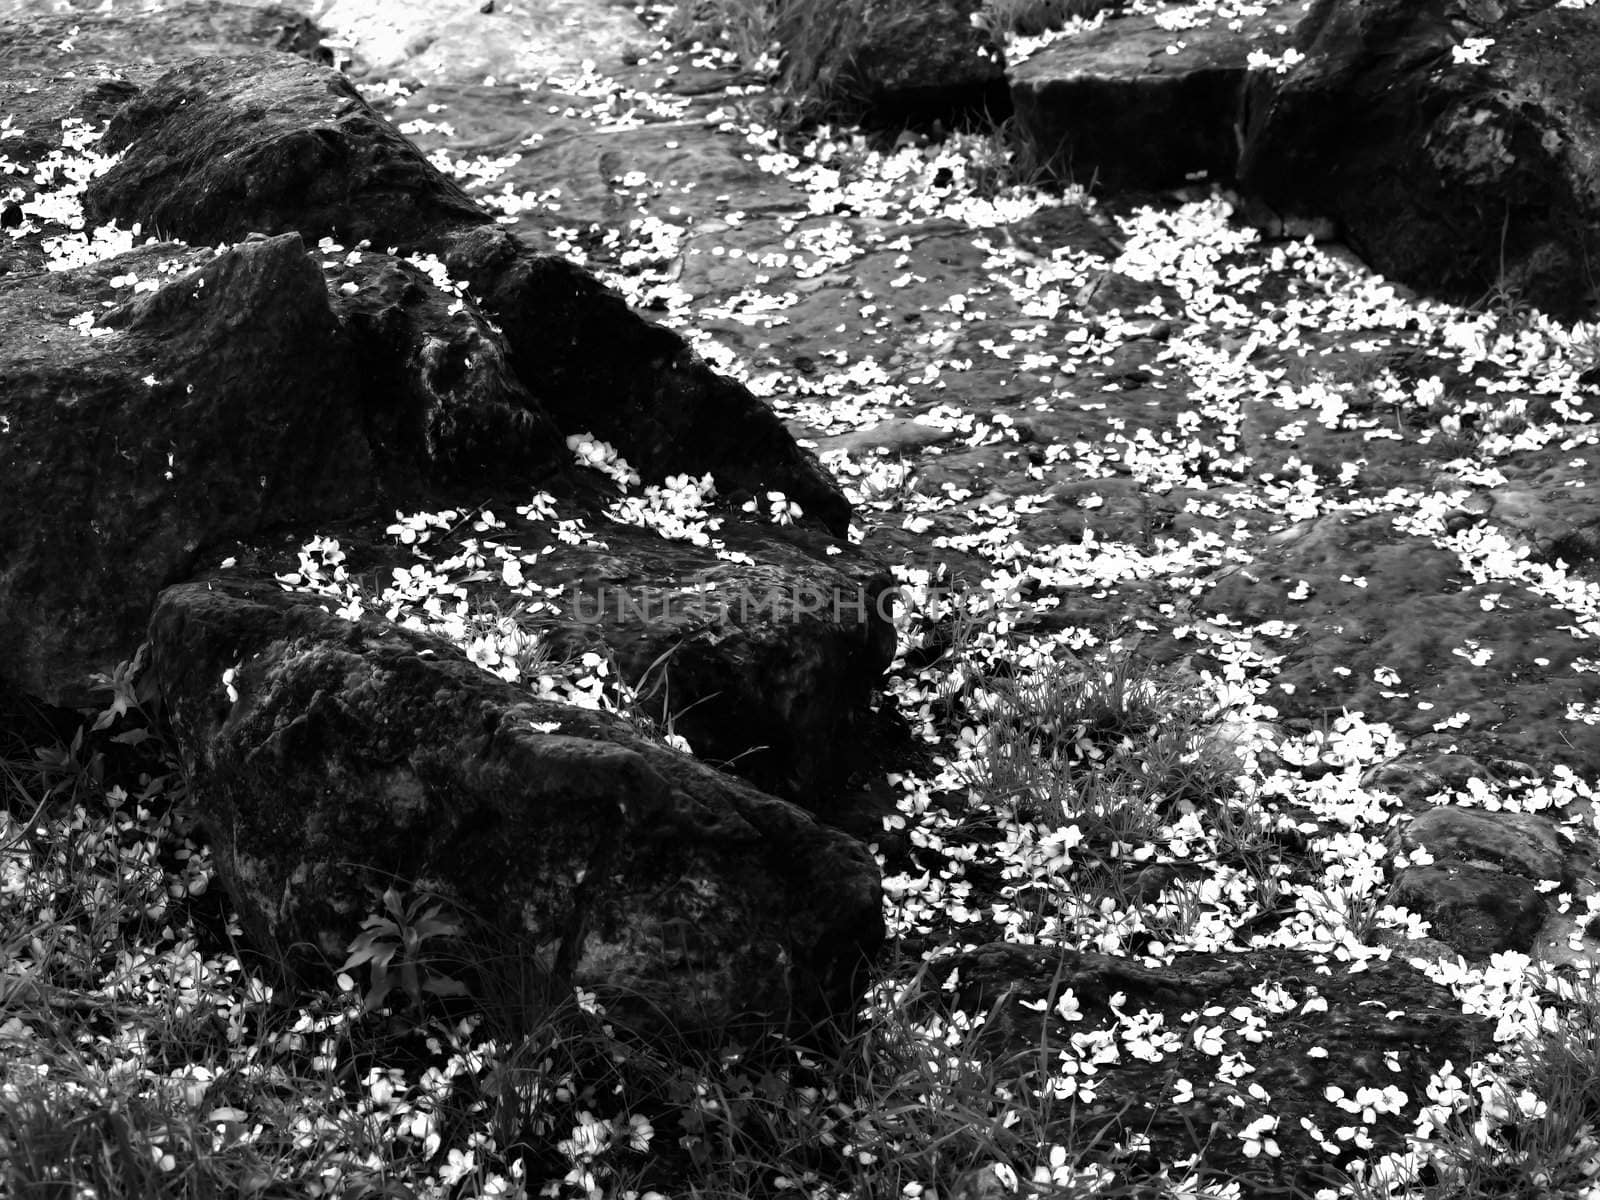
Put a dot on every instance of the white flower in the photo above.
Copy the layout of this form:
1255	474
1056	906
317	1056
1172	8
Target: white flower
1260	60
784	510
640	1131
1255	1139
458	1165
589	1138
1067	1006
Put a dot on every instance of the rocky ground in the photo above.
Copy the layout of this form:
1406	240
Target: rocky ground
1126	452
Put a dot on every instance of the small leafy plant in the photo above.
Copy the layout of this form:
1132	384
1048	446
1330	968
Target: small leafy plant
393	947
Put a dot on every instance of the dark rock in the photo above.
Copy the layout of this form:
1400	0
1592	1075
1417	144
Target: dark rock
1113	108
765	665
222	404
1468	181
1393	625
687	897
1068	227
574	340
1475	910
1415	777
1521	843
437	384
1300	1024
892	63
218	149
222	147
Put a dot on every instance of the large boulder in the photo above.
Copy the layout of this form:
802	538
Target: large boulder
217	149
221	147
1455	144
218	406
330	757
1143	101
574	340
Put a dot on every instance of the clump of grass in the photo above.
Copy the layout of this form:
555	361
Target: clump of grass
1534	1129
745	28
1108	740
819	81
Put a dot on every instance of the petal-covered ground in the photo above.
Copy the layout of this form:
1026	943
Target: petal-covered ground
1226	568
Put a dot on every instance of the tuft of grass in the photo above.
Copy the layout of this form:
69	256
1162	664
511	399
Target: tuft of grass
817	78
744	28
1107	740
1535	1129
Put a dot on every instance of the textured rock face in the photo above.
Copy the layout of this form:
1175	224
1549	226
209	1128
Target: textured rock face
130	450
1381	618
233	398
436	380
1115	108
626	865
663	409
222	147
1454	145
